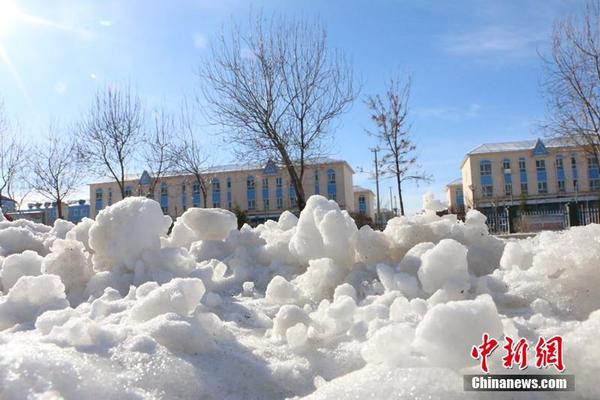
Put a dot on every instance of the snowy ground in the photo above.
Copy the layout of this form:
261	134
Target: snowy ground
115	309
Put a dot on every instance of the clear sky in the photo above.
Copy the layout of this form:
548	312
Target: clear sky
475	64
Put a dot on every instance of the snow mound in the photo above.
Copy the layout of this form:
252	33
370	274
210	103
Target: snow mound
308	306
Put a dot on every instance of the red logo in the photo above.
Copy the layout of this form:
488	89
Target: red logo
547	352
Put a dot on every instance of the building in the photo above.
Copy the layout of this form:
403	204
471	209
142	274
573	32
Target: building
78	210
553	176
7	204
263	191
47	212
364	199
455	196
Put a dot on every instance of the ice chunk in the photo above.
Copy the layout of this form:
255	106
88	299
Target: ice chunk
180	296
444	264
125	230
209	223
18	265
30	297
449	331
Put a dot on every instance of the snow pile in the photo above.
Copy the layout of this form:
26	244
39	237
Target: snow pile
310	306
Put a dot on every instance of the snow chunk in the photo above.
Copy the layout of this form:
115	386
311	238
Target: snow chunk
30	297
445	264
123	231
209	223
180	296
448	331
28	263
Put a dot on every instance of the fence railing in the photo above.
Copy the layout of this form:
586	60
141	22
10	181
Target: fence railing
499	222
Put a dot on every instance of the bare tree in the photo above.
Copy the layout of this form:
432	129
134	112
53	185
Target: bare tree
12	155
55	169
572	80
278	88
188	155
390	115
158	149
112	133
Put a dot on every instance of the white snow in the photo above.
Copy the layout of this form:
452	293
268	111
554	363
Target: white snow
115	308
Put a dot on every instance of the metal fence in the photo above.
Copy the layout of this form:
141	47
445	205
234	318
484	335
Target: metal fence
502	221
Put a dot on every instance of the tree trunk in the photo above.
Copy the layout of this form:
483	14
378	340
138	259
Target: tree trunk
399	182
59	212
297	183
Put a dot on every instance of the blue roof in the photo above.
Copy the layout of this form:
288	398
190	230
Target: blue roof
521	145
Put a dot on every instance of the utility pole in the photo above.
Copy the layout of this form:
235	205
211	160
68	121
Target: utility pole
378	217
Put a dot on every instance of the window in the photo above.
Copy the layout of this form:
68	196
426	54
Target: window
595	185
228	183
183	188
128	191
508	189
164	189
330	176
216	192
98	194
575	184
266	204
506	164
229	195
561	186
559	162
279	192
485	168
487	191
460	199
196	188
317	186
265	193
251	192
542	187
524	188
331	186
362	204
540	165
592	163
292	194
522	165
573	162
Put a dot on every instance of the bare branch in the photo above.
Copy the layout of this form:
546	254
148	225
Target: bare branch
277	89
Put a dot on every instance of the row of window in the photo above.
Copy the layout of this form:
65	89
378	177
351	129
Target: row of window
216	192
485	170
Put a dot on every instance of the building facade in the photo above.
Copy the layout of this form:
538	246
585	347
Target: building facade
263	192
7	204
553	175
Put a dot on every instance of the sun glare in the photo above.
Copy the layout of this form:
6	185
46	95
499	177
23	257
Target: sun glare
9	12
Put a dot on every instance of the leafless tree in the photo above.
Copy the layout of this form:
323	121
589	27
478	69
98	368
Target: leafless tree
158	148
188	154
572	80
278	88
12	155
390	115
112	133
55	169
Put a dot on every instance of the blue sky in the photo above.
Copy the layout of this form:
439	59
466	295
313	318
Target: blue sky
475	65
